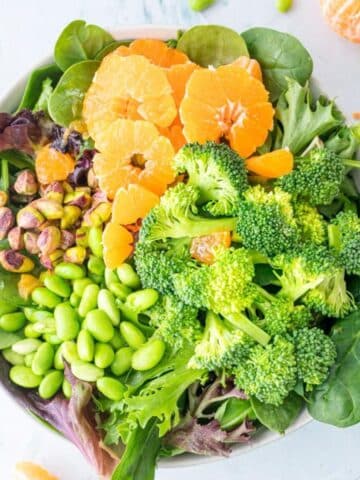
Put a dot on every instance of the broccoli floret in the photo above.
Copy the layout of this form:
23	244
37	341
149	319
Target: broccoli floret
269	373
317	177
217	172
176	217
311	224
266	221
221	346
315	354
344	237
156	262
175	321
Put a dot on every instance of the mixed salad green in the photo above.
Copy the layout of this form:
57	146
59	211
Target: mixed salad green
167	355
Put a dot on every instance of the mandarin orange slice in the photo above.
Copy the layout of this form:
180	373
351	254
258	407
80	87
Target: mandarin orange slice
30	471
251	65
203	248
118	244
133	152
128	87
273	164
155	50
226	103
132	203
52	165
344	17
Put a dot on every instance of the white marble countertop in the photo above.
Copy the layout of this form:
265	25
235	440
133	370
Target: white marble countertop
27	33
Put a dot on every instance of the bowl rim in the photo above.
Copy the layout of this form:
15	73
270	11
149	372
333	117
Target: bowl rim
9	101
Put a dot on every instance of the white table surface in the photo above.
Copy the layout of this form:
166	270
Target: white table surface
28	29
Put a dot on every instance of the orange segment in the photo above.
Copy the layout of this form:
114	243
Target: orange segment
52	165
132	203
155	50
344	17
203	248
133	152
251	65
271	165
30	471
118	244
175	134
226	103
128	87
178	76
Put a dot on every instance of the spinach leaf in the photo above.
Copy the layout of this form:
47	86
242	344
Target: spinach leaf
353	286
233	412
281	56
35	84
42	103
337	401
65	103
278	419
139	459
79	41
212	45
18	159
301	119
8	339
110	47
264	275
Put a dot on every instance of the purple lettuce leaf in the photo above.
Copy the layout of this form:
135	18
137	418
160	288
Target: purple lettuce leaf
82	167
66	141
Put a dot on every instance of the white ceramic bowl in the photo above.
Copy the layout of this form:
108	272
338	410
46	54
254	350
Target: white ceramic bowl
10	101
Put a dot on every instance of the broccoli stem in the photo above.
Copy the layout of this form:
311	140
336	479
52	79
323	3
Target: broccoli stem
241	321
352	163
334	237
205	226
5	179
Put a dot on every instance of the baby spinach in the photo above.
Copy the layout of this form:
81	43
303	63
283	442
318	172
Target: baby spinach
281	56
110	47
79	41
212	45
278	419
65	103
337	401
35	85
233	412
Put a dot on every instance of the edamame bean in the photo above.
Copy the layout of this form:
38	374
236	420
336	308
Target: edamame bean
96	278
13	357
29	359
69	352
99	325
74	300
69	271
95	241
57	285
117	341
43	359
50	384
67	389
148	355
45	326
128	276
30	331
120	290
38	315
66	322
104	355
199	5
45	298
28	345
283	5
6	307
24	377
106	302
122	361
58	359
87	372
89	299
96	265
142	299
80	285
52	339
28	312
85	346
110	277
11	322
132	335
111	388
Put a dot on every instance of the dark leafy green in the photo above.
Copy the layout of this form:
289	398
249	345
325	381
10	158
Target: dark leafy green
35	85
337	401
278	419
233	412
79	41
65	103
212	45
139	459
110	47
18	159
281	56
343	142
264	275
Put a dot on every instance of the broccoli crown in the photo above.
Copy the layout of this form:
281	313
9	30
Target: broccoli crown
269	373
311	224
156	262
217	172
317	177
176	217
221	346
347	225
266	221
175	321
315	354
304	269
